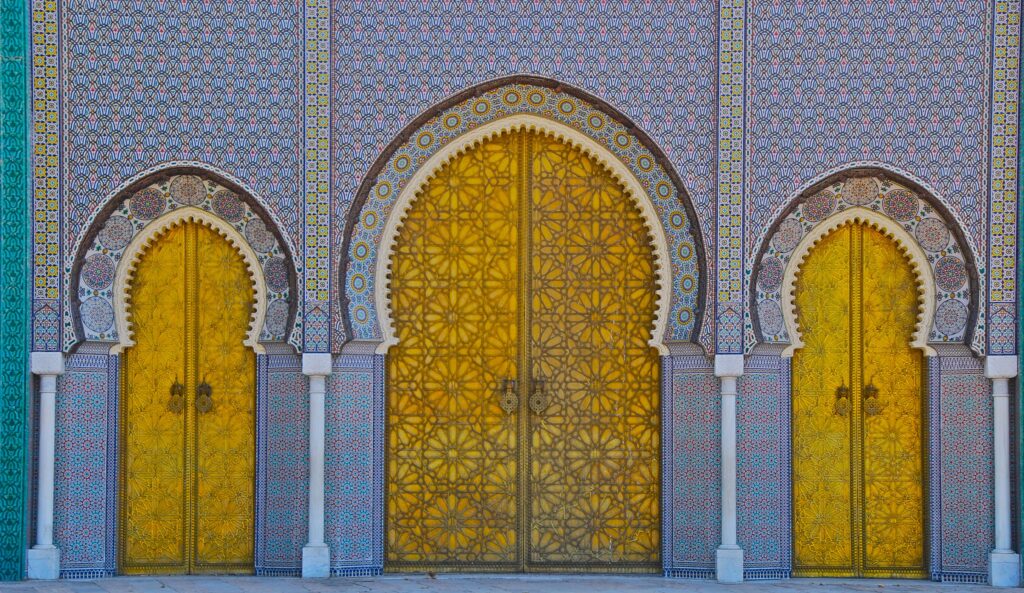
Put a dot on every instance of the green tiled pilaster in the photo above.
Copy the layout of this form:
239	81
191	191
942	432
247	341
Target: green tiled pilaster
14	284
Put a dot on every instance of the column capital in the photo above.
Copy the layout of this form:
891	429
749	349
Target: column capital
47	363
1000	367
728	365
316	364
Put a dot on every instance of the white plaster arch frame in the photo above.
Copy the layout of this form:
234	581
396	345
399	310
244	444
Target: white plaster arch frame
125	273
523	121
908	247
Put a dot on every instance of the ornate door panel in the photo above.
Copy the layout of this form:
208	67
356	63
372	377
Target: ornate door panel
188	410
453	479
594	427
858	483
512	449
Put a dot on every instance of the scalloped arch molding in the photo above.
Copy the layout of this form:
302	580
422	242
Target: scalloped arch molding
907	246
548	111
495	128
151	234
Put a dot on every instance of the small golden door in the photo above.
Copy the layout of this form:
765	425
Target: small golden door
187	410
858	458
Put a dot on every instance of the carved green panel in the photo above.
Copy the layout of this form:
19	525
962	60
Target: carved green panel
14	285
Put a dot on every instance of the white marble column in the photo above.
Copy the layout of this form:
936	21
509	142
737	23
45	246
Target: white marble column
1003	562
316	556
729	556
43	559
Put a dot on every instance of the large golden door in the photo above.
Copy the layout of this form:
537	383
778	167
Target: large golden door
187	416
523	397
858	432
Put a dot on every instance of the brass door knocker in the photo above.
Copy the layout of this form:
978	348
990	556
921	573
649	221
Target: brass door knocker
177	402
872	407
509	400
842	405
539	397
204	401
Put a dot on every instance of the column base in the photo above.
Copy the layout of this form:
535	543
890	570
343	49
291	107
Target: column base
316	561
1003	568
729	564
43	563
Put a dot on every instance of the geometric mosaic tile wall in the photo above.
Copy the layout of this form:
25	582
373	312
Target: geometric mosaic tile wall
691	481
283	464
85	470
963	536
763	467
354	502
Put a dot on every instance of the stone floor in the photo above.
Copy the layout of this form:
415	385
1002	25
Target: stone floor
476	584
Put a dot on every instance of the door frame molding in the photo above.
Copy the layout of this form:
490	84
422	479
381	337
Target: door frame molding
483	133
141	242
905	243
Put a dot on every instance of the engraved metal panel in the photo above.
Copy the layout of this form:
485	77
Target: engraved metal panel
858	484
188	432
514	451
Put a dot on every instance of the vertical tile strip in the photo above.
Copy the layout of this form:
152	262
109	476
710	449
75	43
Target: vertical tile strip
14	284
46	167
1003	177
317	171
731	96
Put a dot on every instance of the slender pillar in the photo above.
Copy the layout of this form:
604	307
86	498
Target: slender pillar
1003	562
43	559
316	556
729	556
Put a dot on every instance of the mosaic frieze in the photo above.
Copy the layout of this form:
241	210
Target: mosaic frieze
945	254
494	105
96	279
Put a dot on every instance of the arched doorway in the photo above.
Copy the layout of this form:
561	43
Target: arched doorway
858	411
523	394
188	408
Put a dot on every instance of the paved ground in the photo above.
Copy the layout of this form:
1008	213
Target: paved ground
478	584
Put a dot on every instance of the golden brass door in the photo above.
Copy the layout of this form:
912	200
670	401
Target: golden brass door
523	398
858	412
187	417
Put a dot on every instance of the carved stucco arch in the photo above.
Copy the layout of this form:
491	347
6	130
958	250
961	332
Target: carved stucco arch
94	223
907	246
625	177
153	232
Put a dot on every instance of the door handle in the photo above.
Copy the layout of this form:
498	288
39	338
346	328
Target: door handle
539	396
509	399
204	399
177	402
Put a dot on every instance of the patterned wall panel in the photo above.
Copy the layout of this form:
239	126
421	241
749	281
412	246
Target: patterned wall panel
141	84
964	478
691	454
85	469
353	497
904	83
282	480
763	467
15	287
655	62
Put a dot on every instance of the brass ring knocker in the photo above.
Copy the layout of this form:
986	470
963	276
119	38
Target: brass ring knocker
204	399
177	402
